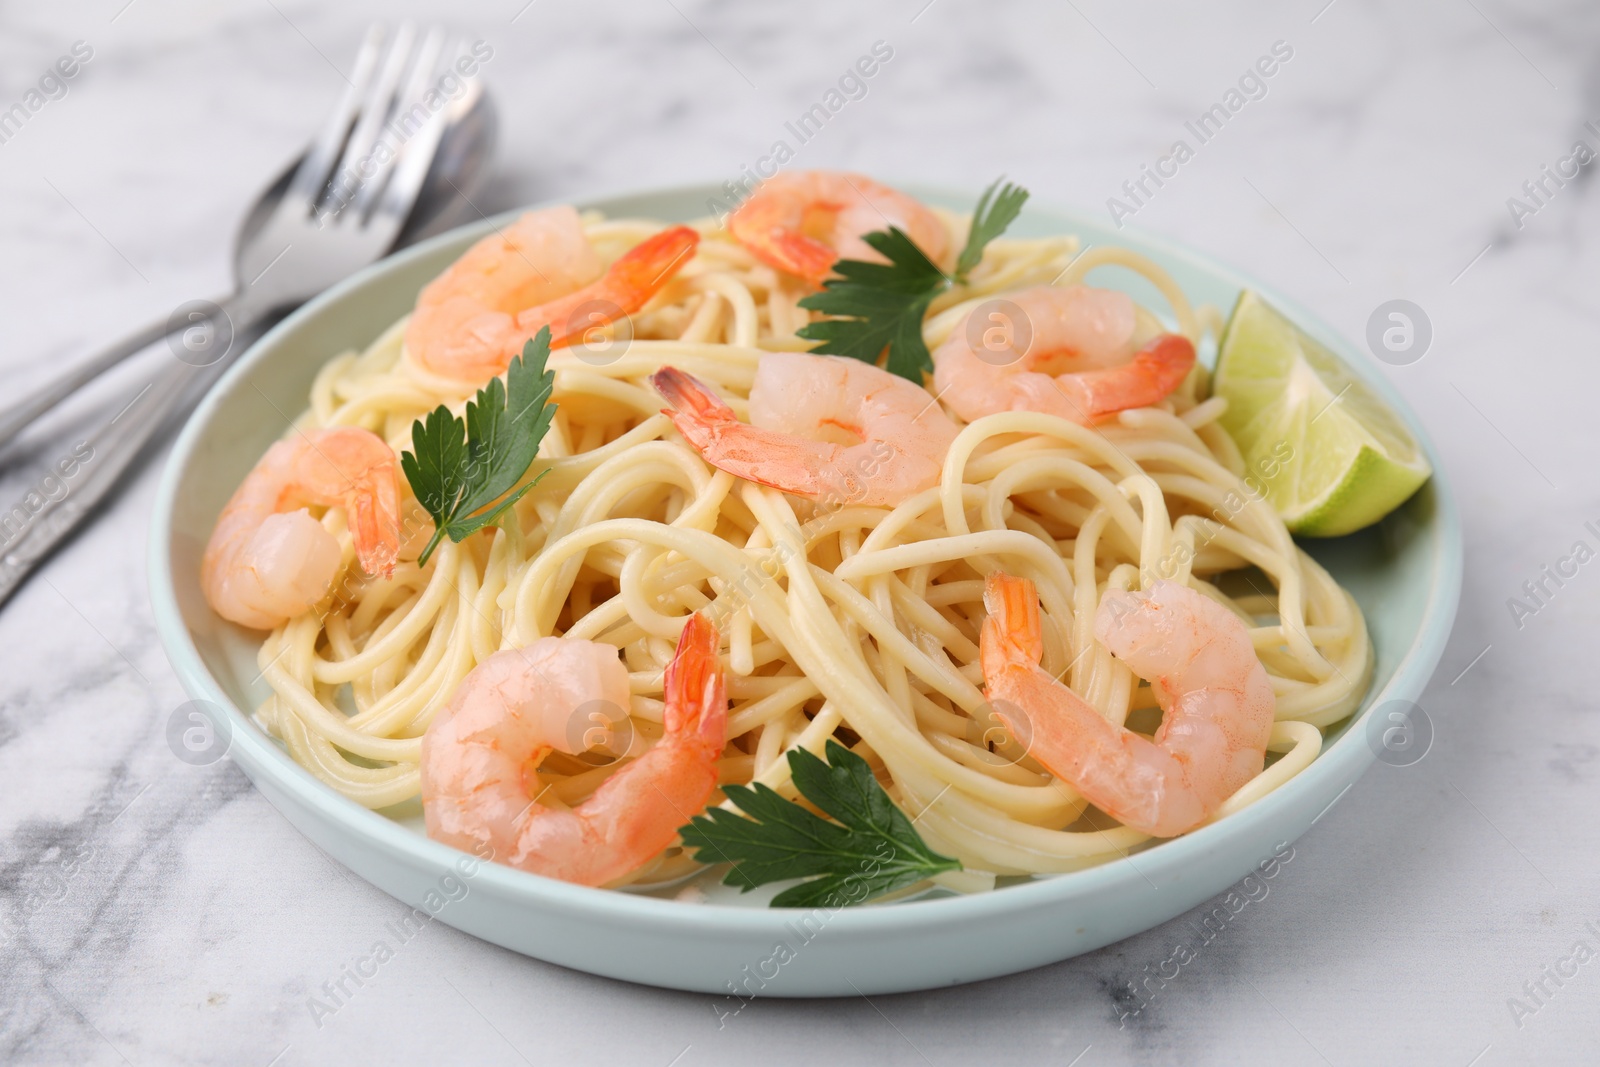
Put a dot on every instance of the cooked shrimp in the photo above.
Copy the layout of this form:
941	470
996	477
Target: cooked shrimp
802	222
625	287
268	560
465	319
481	753
1077	359
1214	694
475	317
825	427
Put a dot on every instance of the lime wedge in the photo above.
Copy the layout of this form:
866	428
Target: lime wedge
1329	454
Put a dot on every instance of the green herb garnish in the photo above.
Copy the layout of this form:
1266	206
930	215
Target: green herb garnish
458	469
872	849
884	303
881	305
997	209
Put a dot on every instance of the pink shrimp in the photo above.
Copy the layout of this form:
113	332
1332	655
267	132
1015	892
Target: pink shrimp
824	427
1215	697
475	317
481	753
268	560
802	222
1076	357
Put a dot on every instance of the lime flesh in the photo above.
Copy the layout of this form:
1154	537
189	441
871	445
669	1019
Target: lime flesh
1325	449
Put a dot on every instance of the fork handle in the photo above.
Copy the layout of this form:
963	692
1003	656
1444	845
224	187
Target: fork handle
28	537
14	418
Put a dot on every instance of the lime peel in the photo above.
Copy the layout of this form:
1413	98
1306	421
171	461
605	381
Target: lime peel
1351	459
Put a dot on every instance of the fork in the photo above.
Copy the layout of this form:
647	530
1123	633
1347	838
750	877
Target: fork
321	230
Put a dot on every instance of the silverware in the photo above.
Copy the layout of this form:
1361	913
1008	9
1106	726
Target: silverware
343	205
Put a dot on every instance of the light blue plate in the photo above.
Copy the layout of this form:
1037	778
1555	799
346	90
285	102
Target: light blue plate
1406	573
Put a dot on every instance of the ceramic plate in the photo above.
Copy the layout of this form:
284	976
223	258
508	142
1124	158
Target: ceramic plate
1406	573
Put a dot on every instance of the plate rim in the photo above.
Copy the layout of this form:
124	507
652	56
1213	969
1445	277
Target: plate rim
1347	757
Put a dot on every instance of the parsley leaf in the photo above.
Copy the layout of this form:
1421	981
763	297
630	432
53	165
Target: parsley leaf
872	849
881	305
997	209
885	303
457	469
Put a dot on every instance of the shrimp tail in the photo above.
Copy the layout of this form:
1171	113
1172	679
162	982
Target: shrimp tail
782	221
623	290
1013	607
640	274
698	413
375	525
712	429
694	405
765	227
695	692
1155	371
809	258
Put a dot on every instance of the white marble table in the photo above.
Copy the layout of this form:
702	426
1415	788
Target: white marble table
156	913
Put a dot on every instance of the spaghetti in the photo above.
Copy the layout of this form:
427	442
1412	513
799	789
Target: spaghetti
843	621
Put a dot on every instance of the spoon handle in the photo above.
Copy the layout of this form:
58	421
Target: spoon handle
29	535
17	416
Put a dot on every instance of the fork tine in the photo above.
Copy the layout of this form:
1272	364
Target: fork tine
375	103
409	95
311	177
412	169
